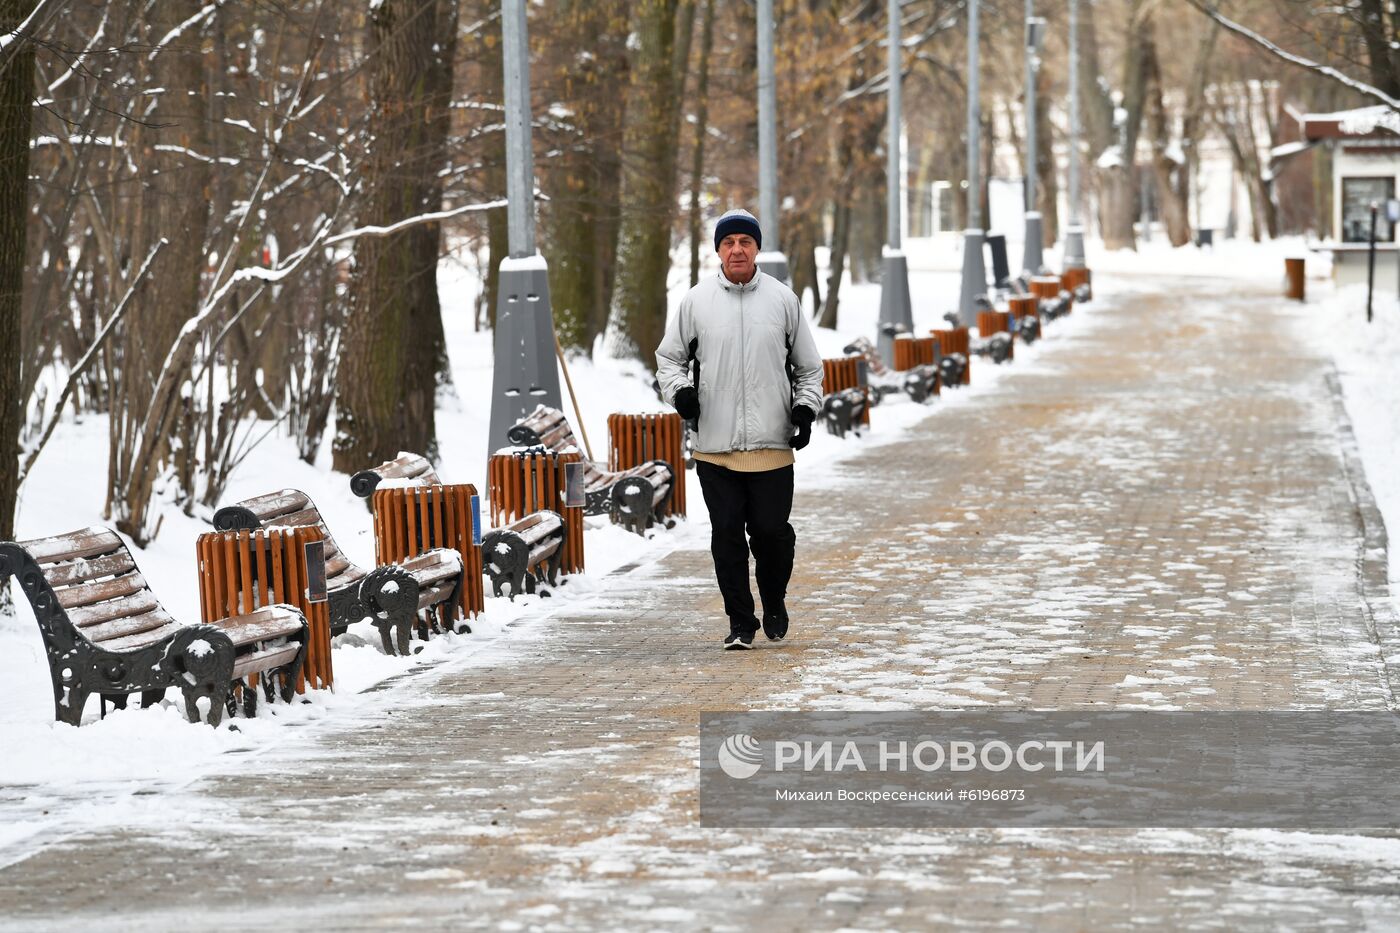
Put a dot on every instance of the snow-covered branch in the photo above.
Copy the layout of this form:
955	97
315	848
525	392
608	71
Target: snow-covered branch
1327	71
415	221
82	365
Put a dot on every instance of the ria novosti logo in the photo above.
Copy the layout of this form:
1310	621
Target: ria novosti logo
740	756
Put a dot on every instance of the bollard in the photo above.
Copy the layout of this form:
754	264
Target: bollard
1293	272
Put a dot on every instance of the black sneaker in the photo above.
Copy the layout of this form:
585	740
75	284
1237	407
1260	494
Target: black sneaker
738	641
775	624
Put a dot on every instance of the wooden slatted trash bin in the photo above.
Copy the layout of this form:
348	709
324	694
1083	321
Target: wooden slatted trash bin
956	340
847	372
996	322
525	480
242	571
1074	278
911	352
1024	306
410	520
637	439
1293	278
1045	286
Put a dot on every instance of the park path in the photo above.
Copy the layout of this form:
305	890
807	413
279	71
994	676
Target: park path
1158	512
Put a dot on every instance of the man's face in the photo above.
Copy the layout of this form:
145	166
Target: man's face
736	256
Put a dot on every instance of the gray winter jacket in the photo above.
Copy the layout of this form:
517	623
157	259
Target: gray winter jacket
743	337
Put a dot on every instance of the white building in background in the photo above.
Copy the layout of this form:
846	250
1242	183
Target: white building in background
1365	147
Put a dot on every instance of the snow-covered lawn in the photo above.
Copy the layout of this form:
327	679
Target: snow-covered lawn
1367	355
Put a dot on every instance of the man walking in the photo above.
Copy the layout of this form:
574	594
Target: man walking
755	391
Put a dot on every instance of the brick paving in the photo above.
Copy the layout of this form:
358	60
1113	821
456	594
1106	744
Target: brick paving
1155	513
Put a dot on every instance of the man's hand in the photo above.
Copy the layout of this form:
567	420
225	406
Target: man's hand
802	416
687	403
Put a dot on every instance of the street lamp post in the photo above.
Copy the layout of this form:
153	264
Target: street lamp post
1074	232
896	315
1035	38
771	260
525	374
974	270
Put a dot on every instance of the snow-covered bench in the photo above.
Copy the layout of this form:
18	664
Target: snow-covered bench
634	497
523	553
391	597
105	632
526	553
844	412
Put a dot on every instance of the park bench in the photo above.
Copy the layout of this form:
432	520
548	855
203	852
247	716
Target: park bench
526	553
844	411
921	382
635	498
425	588
105	632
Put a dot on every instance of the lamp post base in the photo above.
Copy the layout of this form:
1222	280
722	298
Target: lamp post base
526	374
1035	250
1074	248
896	314
775	264
974	277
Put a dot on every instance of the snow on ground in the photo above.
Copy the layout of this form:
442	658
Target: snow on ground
96	761
1233	259
68	490
1367	355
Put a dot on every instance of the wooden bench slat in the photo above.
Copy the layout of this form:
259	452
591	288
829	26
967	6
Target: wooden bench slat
262	624
102	633
432	595
85	594
75	545
112	609
141	639
270	505
264	659
303	518
91	569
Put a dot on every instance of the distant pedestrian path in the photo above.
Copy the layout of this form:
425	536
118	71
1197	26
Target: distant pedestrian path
1158	512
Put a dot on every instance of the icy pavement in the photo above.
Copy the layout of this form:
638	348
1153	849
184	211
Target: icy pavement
1156	514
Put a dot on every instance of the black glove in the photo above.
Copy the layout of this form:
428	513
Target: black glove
688	403
802	416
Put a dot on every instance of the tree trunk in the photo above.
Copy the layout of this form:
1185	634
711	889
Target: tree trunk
648	182
1047	188
702	126
1113	141
387	380
579	221
841	231
16	112
175	203
1168	167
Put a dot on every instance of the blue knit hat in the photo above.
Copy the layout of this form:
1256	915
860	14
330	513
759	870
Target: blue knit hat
738	221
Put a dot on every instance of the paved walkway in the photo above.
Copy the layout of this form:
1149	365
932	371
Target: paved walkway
1157	513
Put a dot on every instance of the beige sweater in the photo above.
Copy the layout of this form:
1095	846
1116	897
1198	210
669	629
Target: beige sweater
751	461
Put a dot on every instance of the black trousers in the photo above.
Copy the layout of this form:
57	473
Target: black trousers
759	503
